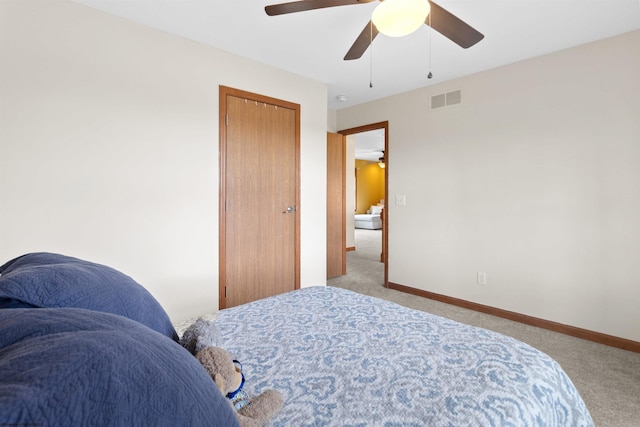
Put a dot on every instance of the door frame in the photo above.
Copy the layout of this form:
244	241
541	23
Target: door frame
225	91
385	218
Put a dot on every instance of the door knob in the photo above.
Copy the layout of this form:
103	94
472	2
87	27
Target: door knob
290	209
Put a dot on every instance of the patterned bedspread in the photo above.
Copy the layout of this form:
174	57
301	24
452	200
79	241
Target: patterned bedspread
345	359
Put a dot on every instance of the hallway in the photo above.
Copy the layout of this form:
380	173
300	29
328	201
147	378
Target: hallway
364	268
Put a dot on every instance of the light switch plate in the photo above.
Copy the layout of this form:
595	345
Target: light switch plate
482	278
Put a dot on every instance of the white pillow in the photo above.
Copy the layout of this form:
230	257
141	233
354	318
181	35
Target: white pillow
375	210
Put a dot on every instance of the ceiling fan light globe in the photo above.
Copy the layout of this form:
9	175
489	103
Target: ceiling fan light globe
397	18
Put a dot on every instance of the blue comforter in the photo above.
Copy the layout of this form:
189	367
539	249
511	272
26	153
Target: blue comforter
75	367
82	344
43	279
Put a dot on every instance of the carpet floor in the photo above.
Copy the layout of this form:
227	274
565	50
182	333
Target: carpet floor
608	378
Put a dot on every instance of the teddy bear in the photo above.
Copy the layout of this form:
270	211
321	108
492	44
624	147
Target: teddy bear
228	376
200	334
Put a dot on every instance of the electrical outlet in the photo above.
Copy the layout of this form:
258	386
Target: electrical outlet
401	200
482	278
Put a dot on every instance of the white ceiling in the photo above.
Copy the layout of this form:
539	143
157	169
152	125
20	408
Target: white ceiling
313	43
368	145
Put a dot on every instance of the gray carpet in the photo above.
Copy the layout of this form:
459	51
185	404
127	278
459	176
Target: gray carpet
607	378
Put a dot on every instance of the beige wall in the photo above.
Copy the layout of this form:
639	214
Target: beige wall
533	179
332	117
109	148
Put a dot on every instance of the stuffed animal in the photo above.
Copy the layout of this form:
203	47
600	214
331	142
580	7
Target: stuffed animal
228	376
201	334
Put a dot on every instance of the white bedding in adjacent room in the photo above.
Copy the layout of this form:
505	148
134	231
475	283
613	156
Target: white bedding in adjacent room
369	221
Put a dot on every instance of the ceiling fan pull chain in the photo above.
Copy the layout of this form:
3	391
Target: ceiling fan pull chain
370	54
430	75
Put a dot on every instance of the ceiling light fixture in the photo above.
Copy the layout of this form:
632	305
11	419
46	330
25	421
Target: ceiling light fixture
397	18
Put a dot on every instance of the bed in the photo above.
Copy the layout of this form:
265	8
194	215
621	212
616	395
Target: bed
346	359
371	220
83	344
368	221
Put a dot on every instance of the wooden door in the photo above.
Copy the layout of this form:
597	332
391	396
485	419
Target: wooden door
259	227
336	227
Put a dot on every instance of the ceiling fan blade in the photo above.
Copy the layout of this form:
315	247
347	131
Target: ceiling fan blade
452	27
362	43
301	6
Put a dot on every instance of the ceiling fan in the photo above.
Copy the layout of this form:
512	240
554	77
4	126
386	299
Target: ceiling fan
437	18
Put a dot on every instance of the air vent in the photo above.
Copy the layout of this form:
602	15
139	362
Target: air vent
454	97
438	101
446	99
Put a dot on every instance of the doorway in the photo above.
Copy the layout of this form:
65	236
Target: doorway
372	130
259	225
